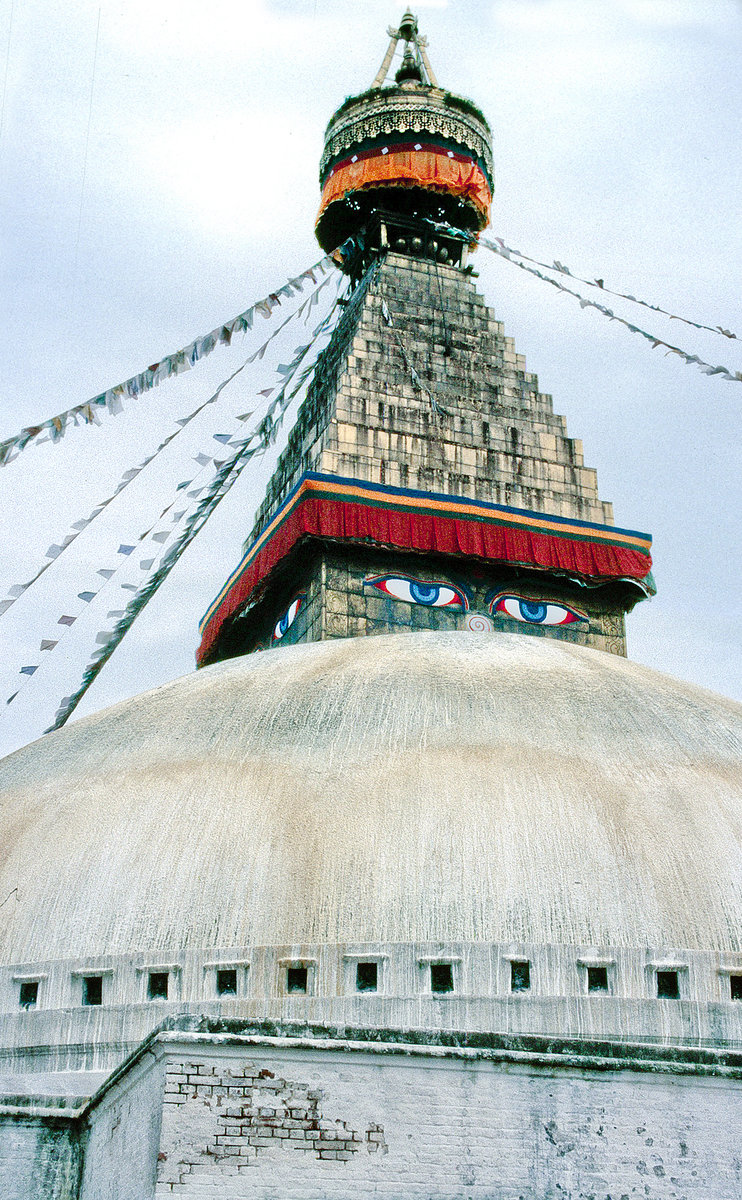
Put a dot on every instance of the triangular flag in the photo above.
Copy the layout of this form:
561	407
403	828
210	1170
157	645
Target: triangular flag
221	437
86	596
145	564
125	549
28	670
106	572
66	620
47	644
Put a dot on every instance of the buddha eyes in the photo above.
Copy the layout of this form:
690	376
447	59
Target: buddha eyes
534	612
437	594
419	591
286	621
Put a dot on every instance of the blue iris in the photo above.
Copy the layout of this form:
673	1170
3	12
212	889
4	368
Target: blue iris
424	593
531	610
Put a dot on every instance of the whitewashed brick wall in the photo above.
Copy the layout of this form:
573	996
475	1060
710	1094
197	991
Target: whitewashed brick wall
270	1122
207	1116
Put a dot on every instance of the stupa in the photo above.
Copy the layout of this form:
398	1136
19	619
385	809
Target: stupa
439	894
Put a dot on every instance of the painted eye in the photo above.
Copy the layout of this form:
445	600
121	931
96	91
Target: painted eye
286	621
419	591
535	612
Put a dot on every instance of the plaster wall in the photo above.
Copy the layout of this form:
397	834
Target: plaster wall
39	1155
315	1124
198	1112
63	1036
123	1134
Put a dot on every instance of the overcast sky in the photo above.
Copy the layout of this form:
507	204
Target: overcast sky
159	173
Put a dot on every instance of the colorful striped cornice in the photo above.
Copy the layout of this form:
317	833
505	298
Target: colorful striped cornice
351	511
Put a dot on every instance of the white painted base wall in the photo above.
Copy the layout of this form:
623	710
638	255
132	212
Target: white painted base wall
209	1118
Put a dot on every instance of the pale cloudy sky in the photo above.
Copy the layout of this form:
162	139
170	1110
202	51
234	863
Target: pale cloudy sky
158	167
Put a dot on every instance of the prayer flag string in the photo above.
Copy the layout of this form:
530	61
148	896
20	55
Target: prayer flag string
111	401
599	283
253	443
689	359
56	550
519	260
228	473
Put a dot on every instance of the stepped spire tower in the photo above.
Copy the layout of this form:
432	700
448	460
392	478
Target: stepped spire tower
428	483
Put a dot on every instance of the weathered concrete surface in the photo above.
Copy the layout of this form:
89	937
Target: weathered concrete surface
412	788
40	1149
253	1115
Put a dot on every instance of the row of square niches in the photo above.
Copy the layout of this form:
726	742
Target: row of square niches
299	978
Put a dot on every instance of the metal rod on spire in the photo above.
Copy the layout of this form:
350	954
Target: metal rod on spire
384	68
421	44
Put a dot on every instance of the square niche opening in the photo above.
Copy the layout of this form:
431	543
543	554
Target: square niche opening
157	985
28	994
226	981
92	989
668	985
297	980
367	977
441	978
735	987
520	976
597	979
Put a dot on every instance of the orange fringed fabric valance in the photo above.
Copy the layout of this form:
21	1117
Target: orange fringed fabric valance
428	167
